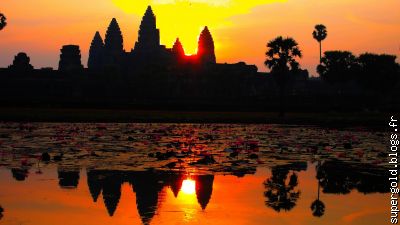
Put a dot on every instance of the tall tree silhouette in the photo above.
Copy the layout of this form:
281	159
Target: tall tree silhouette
319	34
317	206
281	60
280	193
3	21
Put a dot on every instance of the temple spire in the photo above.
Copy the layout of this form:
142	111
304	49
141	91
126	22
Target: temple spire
113	43
149	35
149	18
149	12
96	52
178	50
204	189
205	50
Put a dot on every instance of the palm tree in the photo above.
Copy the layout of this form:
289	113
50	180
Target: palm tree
280	190
3	20
319	34
281	60
317	206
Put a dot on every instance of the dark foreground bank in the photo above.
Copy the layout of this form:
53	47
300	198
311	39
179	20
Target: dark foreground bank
374	120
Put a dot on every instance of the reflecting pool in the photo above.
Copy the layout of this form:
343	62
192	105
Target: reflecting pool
191	174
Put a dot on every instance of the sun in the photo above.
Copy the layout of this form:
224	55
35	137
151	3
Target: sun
188	187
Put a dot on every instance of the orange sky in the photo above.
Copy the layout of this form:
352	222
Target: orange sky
240	28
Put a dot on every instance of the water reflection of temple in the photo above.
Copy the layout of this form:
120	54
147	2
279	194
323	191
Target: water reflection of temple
68	178
281	188
204	189
149	187
19	174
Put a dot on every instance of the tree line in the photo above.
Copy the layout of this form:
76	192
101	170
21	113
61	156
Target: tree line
376	73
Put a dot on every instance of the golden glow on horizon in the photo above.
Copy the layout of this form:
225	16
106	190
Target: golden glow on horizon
189	187
185	19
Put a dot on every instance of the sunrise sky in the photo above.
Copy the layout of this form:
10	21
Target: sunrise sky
240	28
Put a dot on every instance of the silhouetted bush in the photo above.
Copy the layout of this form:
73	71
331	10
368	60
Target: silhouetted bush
338	67
379	73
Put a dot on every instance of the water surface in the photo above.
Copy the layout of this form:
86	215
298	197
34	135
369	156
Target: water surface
191	174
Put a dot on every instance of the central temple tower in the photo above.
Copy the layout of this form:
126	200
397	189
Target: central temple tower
205	49
149	35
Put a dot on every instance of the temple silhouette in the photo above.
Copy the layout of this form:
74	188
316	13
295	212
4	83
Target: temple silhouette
147	50
149	187
68	179
152	76
147	75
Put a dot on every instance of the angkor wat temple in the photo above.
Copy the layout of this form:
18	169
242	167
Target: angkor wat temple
151	75
147	50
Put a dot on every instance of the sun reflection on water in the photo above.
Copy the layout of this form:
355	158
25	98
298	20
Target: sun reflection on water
189	187
187	199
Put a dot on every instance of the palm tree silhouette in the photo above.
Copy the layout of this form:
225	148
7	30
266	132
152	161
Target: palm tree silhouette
281	60
319	34
281	194
3	21
317	206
